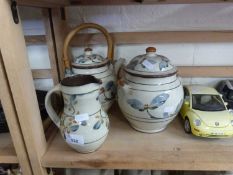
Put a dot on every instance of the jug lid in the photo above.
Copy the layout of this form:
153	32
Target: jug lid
150	65
89	60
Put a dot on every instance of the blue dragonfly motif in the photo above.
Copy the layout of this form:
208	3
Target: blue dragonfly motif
163	64
166	114
132	64
82	61
155	103
94	59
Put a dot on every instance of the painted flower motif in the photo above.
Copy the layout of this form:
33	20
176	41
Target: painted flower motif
108	91
71	125
74	128
82	61
100	120
155	103
69	104
88	59
97	125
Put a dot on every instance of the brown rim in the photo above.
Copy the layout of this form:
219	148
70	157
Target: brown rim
88	49
91	66
152	76
80	80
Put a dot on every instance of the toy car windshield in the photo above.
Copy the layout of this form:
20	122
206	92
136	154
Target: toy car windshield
205	102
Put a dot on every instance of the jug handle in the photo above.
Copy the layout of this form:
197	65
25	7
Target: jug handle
52	114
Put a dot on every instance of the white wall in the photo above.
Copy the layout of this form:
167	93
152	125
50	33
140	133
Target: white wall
180	17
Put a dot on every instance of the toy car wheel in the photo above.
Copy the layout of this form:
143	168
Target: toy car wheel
187	127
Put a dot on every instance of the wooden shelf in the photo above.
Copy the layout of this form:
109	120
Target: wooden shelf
126	148
35	39
44	3
62	3
147	37
7	151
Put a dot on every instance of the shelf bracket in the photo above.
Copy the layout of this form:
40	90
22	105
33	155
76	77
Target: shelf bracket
14	11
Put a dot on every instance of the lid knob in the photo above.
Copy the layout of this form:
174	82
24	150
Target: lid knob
150	49
88	51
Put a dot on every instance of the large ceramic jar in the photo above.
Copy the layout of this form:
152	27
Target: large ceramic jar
93	64
150	94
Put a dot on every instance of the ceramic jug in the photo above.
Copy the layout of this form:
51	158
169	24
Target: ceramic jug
93	64
150	94
83	123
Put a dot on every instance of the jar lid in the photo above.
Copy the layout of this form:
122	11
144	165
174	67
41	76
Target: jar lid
150	65
89	60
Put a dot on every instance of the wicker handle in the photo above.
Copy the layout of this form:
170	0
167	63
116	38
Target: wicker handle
79	28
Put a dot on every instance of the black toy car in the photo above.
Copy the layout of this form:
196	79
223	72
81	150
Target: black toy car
225	87
40	97
3	123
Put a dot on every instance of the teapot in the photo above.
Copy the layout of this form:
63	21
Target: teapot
93	64
149	93
83	123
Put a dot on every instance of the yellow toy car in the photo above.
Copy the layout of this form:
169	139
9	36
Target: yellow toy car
205	113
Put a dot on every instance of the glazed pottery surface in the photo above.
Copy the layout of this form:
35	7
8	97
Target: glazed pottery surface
93	64
100	68
150	95
83	123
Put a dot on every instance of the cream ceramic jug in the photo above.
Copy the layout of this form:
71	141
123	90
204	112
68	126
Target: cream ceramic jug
93	64
150	94
83	123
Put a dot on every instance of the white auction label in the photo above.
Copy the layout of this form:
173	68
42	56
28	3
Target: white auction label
148	65
75	139
82	117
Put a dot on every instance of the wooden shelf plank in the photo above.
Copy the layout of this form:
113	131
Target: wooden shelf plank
206	71
62	3
41	73
154	37
126	148
143	37
183	71
44	3
50	41
7	151
138	2
35	39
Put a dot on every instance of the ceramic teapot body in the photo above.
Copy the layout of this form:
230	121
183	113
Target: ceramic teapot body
149	100
83	123
93	64
103	72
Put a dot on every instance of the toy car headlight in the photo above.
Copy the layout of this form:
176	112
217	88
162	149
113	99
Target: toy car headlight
197	122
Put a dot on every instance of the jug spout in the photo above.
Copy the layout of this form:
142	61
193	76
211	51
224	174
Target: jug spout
68	73
118	64
124	85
